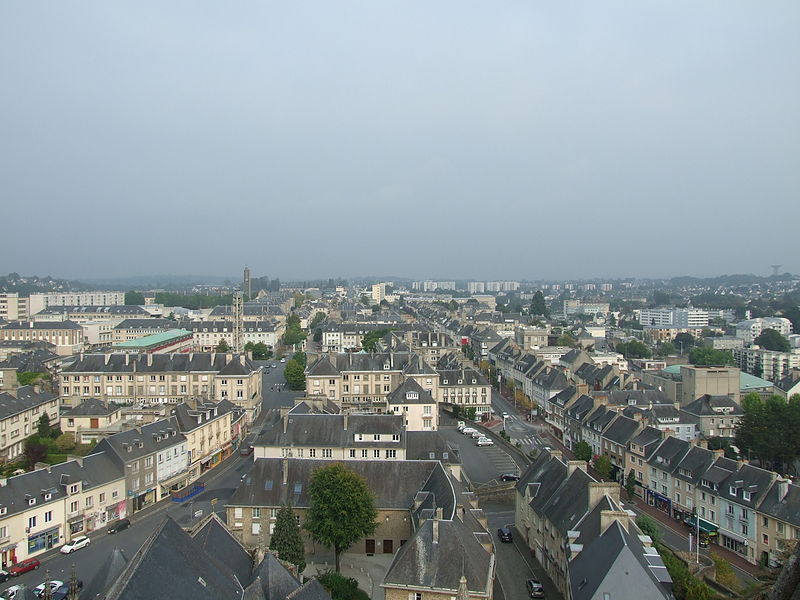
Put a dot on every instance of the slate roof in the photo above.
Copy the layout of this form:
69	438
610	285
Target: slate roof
647	437
322	366
328	430
410	392
91	407
430	445
110	569
696	461
788	382
637	397
395	484
450	377
437	561
719	471
621	430
213	537
29	362
133	324
211	362
17	325
704	407
747	479
153	437
24	398
786	508
189	418
668	454
112	309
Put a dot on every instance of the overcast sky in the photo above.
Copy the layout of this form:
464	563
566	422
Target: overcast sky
424	139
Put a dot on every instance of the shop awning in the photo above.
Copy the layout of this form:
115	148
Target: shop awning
704	526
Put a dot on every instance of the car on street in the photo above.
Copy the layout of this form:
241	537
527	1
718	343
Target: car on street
246	450
504	533
274	365
509	477
504	415
535	588
4	576
79	542
23	566
469	430
283	360
484	441
63	591
54	585
118	525
13	592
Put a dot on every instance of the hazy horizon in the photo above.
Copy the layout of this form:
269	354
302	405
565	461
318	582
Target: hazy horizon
447	140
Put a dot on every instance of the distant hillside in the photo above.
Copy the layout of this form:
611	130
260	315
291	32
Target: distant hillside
33	284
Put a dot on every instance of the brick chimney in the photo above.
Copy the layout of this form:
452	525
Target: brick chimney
575	464
599	489
609	517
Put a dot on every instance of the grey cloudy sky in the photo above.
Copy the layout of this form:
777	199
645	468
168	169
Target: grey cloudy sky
421	139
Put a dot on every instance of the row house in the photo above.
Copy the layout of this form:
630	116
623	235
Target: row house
47	507
594	425
66	336
91	420
579	532
154	379
208	428
714	416
207	335
252	312
154	459
614	443
20	412
546	384
431	346
666	418
640	447
362	382
416	406
465	387
574	417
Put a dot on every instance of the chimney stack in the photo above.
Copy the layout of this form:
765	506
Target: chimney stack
783	488
285	471
575	464
285	423
609	517
345	421
598	489
435	532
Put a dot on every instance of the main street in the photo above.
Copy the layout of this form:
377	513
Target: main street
220	485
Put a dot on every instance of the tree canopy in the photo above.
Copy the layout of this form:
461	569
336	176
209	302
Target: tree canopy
685	341
710	357
133	298
768	430
286	539
260	350
341	508
633	349
538	304
771	339
294	333
294	373
368	343
222	347
583	451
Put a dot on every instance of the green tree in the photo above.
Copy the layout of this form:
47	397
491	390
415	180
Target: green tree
43	426
30	377
630	485
295	376
286	539
319	317
470	412
633	349
602	464
665	349
134	298
222	347
771	339
538	305
301	358
566	339
341	587
702	355
65	443
294	333
35	451
684	341
372	337
341	508
649	527
583	451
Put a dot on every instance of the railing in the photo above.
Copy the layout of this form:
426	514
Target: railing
188	492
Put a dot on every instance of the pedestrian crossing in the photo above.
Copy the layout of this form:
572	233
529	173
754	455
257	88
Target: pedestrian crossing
525	441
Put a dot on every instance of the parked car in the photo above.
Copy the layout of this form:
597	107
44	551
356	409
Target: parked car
504	533
504	415
484	441
477	434
4	576
461	425
63	591
54	585
118	526
79	542
283	360
535	588
469	430
246	450
23	566
509	477
13	592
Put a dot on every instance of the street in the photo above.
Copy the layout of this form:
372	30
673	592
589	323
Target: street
220	484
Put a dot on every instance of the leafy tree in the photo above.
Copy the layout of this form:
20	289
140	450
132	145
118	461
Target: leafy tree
43	426
633	349
294	333
470	412
341	508
65	442
286	539
566	339
259	349
767	430
538	305
660	298
295	376
222	346
30	377
583	451
35	451
665	349
371	338
319	317
602	464
630	485
649	527
452	305
300	357
710	357
341	587
771	339
456	411
134	298
685	341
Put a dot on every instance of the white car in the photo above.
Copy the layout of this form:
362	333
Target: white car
283	360
484	441
54	585
469	430
79	542
13	592
477	435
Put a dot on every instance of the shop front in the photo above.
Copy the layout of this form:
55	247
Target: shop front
733	541
708	531
44	540
76	525
661	502
115	511
174	483
144	499
8	554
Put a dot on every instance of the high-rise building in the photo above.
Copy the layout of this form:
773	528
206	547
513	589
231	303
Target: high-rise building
12	307
246	285
38	302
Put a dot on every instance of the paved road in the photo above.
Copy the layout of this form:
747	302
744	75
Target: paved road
220	485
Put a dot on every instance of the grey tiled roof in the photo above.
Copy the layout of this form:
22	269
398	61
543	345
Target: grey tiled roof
328	430
410	388
90	407
24	398
211	362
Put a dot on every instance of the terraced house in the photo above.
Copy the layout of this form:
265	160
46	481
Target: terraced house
164	379
20	412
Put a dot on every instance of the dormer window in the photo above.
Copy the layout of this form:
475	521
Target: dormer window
385	366
732	491
48	496
460	381
31	501
3	510
412	395
746	496
444	381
